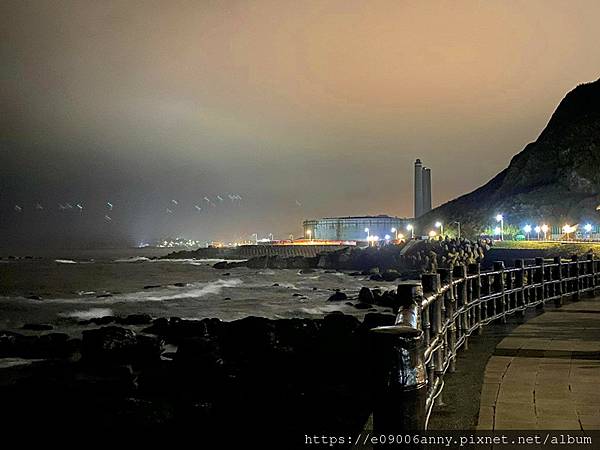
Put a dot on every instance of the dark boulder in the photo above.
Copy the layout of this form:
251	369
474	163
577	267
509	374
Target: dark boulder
362	305
337	296
365	295
118	346
37	327
390	275
135	319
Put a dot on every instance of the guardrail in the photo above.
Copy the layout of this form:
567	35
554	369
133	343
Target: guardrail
437	317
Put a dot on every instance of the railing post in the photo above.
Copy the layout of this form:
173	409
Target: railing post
499	307
448	308
400	376
435	367
558	293
475	269
539	279
463	300
575	273
520	283
591	274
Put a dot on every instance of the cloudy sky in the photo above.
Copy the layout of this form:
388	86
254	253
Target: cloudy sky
302	108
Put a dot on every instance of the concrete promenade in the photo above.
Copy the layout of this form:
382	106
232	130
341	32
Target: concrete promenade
546	374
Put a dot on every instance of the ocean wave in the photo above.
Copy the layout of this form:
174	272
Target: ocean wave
133	259
86	314
322	310
65	261
213	287
287	285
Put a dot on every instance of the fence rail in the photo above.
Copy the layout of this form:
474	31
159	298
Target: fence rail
438	316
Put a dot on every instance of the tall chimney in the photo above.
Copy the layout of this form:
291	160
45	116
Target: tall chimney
426	189
418	188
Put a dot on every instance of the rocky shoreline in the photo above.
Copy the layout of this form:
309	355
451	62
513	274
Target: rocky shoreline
294	374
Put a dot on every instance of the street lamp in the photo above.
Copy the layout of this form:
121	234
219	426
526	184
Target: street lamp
394	230
500	218
387	238
588	229
368	234
440	225
537	230
545	230
527	230
410	228
568	229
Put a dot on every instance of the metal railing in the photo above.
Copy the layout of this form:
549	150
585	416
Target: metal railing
437	317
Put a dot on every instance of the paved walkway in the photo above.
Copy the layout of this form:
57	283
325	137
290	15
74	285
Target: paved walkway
546	374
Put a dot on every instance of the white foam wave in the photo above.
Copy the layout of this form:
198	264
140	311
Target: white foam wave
197	291
267	272
133	259
65	261
91	313
288	285
322	310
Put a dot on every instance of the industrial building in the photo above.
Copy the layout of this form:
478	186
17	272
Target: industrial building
422	189
354	228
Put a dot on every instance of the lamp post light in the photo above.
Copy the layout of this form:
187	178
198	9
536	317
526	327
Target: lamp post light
568	229
527	230
537	230
500	218
497	231
588	230
410	228
545	231
440	225
368	234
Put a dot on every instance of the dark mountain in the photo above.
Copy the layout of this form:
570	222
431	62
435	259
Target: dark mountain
555	179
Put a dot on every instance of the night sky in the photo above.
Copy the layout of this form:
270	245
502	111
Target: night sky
285	109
